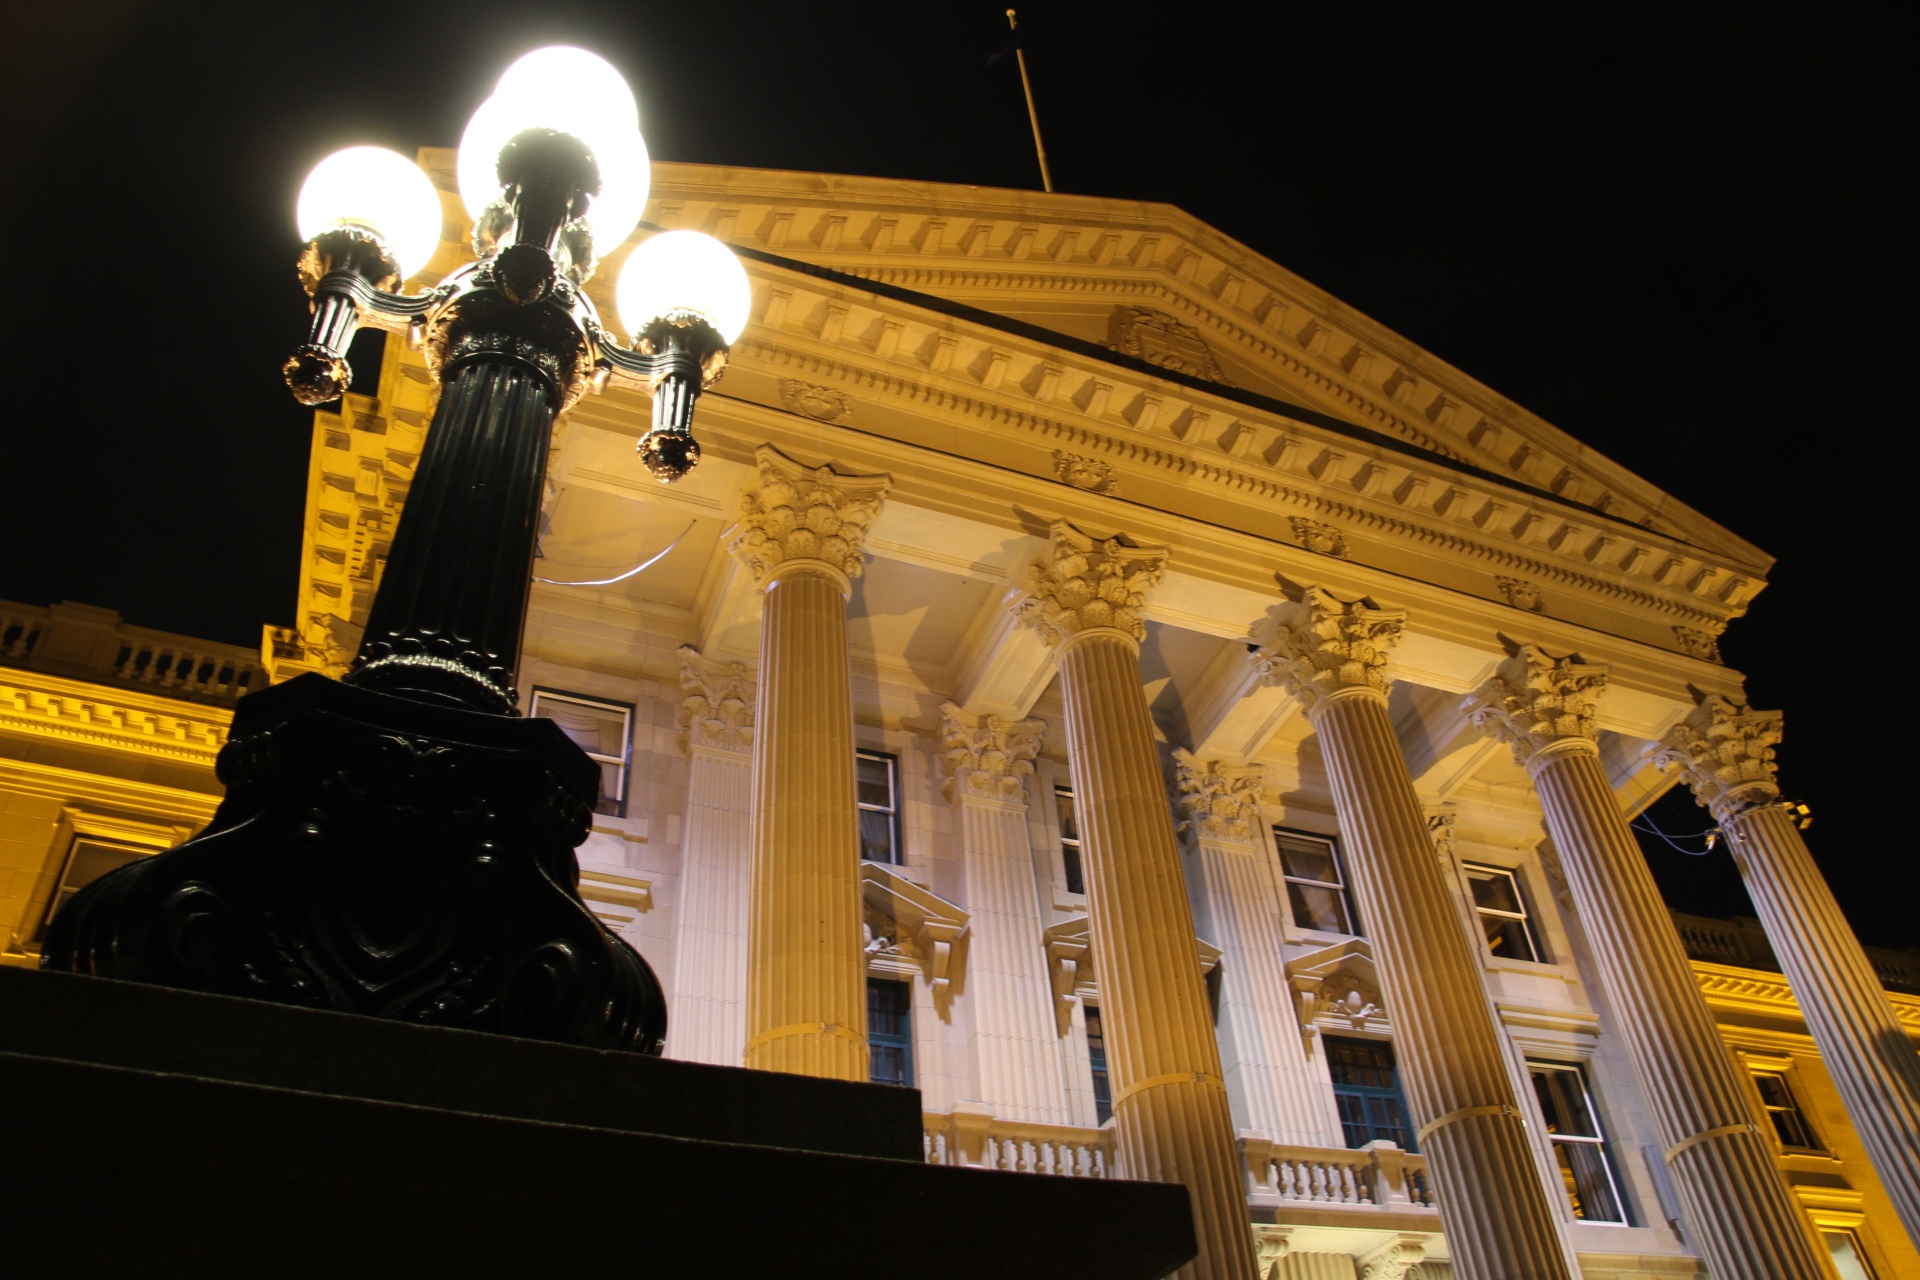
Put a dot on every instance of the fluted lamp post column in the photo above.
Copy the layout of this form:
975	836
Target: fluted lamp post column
987	760
801	535
1169	1102
1331	655
1724	752
1737	1205
1236	907
710	943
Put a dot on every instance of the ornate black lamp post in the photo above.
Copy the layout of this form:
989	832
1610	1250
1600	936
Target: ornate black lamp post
401	843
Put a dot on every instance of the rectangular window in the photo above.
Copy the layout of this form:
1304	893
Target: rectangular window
1503	912
878	788
1578	1145
890	1032
1849	1258
1366	1086
1069	839
87	860
1316	882
1097	1063
604	730
1789	1122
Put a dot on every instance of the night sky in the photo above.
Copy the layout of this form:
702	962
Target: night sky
1674	233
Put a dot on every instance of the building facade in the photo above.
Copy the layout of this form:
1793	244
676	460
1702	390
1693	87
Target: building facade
1179	726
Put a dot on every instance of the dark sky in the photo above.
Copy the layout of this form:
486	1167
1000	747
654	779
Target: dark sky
1673	232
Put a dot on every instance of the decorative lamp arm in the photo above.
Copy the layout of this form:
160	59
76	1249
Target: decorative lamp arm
347	272
674	360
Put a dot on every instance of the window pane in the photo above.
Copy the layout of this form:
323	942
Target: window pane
1849	1259
600	731
1563	1102
1097	1064
1386	1121
1309	860
1069	820
1508	937
1366	1063
1070	861
876	836
1317	908
889	1032
888	1064
1353	1119
1589	1183
1785	1112
1494	890
876	781
87	861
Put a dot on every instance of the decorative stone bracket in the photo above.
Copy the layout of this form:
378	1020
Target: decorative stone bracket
1070	964
912	922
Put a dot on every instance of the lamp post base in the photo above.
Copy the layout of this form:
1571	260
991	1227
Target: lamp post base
381	856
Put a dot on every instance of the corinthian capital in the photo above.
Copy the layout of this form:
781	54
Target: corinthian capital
716	706
1538	702
804	513
1724	752
1330	645
986	755
1086	583
1222	801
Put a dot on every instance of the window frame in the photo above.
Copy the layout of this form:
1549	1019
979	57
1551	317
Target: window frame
1343	889
1525	916
1073	871
1099	1074
888	1040
1396	1093
1598	1140
626	710
894	828
58	894
1815	1145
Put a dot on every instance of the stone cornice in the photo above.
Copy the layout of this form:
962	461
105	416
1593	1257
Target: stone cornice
986	756
93	715
1089	583
853	223
1759	992
1539	702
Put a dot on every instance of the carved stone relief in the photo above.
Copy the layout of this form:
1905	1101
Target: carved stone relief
1085	583
1695	643
1221	801
823	404
1724	753
1331	644
1521	594
1160	339
1538	700
716	708
1321	539
986	755
1090	474
804	513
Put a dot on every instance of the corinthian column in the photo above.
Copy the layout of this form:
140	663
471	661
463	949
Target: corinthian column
1736	1203
1499	1221
707	1019
1170	1108
1235	907
1015	1043
800	536
1724	751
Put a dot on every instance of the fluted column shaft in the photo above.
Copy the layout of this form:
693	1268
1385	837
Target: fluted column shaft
1016	1041
1737	1205
1862	1044
806	980
1169	1102
1498	1219
1235	907
708	1021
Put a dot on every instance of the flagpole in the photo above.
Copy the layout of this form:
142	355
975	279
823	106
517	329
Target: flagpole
1039	147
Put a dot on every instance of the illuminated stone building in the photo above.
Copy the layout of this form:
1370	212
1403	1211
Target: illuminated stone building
1181	727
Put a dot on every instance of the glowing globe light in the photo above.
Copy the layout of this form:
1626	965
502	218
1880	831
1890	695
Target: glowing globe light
574	92
379	191
681	274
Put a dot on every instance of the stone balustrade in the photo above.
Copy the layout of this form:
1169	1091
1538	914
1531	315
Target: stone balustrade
1378	1176
1742	943
88	643
978	1140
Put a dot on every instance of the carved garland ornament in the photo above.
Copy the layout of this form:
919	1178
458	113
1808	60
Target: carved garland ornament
1724	752
1221	800
716	711
1521	594
1090	474
1537	701
1321	539
1331	646
1085	583
986	755
802	513
823	404
1704	645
